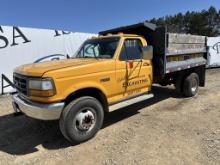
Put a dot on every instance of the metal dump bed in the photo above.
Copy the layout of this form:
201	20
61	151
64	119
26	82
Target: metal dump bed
172	52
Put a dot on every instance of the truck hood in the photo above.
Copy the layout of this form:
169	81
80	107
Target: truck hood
38	69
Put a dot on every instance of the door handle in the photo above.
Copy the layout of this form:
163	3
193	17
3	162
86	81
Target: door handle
130	64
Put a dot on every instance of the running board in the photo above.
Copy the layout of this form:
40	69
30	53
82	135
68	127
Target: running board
130	102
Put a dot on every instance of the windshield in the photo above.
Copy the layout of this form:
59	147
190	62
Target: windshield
98	48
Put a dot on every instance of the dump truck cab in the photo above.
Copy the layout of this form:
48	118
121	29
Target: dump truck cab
101	63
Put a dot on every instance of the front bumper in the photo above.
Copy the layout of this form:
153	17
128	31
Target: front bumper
36	110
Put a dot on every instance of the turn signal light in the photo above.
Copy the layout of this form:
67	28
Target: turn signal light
41	93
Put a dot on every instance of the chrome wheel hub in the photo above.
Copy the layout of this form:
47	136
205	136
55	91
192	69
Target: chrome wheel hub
85	120
194	85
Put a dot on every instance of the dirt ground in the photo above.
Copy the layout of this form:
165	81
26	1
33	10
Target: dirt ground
166	129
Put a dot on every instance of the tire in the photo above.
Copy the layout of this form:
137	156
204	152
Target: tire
191	85
81	119
163	83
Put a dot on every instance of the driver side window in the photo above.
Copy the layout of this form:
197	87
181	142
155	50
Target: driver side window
131	50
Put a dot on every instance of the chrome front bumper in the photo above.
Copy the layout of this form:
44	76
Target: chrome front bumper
37	110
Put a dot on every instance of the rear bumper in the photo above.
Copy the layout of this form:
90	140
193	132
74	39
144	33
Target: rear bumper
37	110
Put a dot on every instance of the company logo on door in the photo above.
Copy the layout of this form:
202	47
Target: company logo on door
216	47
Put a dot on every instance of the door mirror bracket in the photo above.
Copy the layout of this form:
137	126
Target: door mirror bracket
147	52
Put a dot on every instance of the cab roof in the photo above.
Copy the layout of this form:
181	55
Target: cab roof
120	34
131	29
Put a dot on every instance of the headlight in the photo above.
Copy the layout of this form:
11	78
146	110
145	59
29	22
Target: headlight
40	84
41	87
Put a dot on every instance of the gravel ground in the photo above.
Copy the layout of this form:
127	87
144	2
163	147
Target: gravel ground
166	129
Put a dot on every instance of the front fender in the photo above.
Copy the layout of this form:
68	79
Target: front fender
84	85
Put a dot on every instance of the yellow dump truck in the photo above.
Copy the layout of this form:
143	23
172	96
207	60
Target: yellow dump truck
109	72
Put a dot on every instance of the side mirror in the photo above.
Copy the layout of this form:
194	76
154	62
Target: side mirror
147	52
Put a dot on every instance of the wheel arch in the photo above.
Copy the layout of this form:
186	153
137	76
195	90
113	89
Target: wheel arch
89	91
200	71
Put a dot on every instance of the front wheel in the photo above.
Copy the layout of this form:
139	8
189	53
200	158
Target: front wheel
81	119
191	85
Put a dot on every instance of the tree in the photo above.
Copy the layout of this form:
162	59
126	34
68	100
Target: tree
206	22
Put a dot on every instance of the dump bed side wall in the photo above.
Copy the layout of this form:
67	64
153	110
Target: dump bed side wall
184	51
184	44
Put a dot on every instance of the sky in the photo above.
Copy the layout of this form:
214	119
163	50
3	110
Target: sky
92	15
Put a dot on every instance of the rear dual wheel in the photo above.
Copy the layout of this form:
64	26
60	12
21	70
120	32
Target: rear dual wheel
189	85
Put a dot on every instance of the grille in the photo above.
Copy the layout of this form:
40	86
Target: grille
20	83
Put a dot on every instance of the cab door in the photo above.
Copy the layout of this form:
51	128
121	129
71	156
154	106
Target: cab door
133	73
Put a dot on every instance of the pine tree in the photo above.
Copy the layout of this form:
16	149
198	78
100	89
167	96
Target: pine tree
206	22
